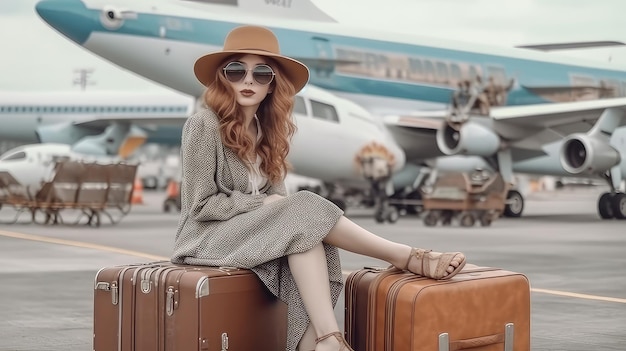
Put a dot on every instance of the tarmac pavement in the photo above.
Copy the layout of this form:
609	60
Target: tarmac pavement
575	262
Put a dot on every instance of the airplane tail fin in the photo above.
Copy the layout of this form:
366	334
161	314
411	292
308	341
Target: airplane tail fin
291	9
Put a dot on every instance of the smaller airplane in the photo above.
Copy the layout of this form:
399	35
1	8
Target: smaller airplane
100	123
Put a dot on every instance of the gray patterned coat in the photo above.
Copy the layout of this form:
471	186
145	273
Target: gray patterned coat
222	225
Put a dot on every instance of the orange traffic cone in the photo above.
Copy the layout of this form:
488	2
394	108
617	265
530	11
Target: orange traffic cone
137	198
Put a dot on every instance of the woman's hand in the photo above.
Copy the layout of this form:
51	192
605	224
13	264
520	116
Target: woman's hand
272	198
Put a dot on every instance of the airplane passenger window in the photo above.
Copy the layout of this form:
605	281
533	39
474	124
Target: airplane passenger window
299	106
324	111
16	156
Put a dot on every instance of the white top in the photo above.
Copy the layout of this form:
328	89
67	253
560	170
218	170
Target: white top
256	179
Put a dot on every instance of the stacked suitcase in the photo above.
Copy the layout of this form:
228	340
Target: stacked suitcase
165	307
480	309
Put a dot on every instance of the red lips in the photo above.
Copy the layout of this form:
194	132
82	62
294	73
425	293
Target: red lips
247	92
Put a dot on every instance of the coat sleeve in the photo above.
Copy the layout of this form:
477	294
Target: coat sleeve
278	188
199	167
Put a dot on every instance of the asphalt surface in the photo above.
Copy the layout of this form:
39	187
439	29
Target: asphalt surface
575	262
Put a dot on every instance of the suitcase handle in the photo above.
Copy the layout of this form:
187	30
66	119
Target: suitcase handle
507	338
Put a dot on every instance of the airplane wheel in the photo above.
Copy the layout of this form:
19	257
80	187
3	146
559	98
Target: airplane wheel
467	220
619	205
515	204
605	206
430	220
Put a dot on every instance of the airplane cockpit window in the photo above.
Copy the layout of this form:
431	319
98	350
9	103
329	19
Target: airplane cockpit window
16	156
324	111
299	106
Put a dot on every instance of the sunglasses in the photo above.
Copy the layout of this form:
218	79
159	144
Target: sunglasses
236	72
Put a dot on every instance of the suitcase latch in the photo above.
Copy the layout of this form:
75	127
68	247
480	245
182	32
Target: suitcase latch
171	301
114	292
146	286
224	341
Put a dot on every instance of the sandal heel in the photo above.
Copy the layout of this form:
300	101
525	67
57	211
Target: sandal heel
343	344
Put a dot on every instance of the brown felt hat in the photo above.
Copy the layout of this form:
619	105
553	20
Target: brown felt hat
250	40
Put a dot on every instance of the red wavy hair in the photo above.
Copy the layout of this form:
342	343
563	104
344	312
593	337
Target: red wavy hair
274	114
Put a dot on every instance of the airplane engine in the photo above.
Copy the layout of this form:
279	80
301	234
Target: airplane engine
63	133
581	153
468	138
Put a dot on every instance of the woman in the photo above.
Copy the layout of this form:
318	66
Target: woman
235	211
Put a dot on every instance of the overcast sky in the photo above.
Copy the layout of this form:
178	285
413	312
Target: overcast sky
34	57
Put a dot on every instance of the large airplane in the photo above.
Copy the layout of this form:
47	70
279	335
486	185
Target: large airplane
331	131
537	112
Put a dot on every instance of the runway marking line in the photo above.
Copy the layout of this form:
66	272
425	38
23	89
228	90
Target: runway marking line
160	258
83	245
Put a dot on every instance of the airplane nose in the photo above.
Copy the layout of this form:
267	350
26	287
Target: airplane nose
70	17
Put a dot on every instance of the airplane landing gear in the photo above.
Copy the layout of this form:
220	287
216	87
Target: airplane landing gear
514	204
612	205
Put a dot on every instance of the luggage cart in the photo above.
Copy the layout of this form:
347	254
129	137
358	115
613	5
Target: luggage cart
477	196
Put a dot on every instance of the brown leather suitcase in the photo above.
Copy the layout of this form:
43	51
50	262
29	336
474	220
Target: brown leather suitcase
166	307
479	309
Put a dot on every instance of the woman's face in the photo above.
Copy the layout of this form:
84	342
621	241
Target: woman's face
251	79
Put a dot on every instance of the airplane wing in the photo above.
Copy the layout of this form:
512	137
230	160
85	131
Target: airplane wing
527	127
562	118
98	122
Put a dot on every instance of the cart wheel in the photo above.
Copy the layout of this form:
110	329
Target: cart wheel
485	220
446	217
393	215
467	220
379	216
430	219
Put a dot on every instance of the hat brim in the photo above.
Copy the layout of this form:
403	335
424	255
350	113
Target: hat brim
206	66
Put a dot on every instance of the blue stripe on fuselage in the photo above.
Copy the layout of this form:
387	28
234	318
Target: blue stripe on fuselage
299	44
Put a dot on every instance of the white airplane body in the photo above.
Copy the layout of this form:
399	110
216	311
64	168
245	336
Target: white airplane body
541	102
331	130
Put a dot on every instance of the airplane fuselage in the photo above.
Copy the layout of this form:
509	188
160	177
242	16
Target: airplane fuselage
385	72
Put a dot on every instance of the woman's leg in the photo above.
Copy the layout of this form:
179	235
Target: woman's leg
350	236
310	272
307	343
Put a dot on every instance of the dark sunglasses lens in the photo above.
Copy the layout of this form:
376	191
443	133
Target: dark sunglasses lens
263	74
234	71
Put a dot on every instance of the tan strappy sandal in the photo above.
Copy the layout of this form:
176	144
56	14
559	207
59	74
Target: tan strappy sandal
422	266
343	344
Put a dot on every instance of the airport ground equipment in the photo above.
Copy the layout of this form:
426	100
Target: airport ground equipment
81	192
470	197
481	308
168	307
